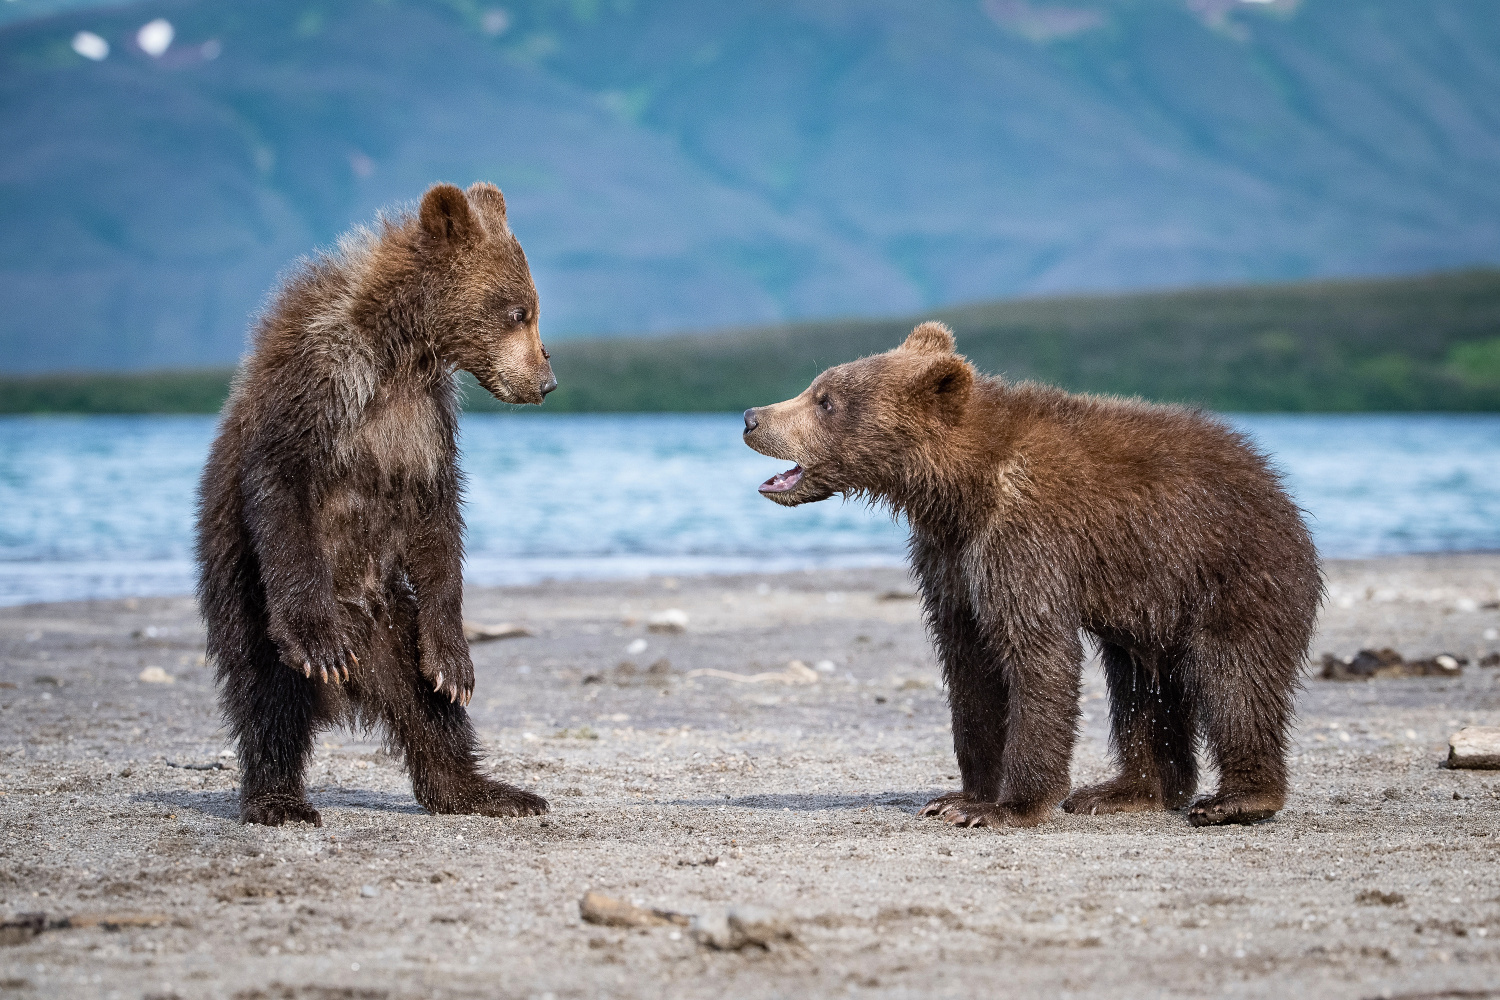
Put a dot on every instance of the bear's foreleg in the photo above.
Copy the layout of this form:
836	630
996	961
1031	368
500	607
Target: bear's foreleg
1041	679
435	566
302	617
977	699
1151	733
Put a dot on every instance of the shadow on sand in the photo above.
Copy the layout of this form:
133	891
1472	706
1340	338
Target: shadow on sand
226	804
814	803
218	804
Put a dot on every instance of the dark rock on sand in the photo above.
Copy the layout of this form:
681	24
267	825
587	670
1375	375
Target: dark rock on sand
1372	663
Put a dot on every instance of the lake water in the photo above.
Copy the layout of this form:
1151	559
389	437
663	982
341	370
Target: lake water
103	506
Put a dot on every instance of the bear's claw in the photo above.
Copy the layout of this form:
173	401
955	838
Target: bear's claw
942	802
444	661
337	671
456	695
455	682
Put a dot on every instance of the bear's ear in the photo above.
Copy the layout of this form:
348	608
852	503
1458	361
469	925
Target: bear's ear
930	338
945	384
489	198
446	215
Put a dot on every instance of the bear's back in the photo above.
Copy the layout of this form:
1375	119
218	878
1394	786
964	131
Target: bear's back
1128	448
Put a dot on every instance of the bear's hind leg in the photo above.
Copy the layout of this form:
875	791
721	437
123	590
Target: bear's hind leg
1151	732
273	713
442	754
435	735
1177	738
1245	708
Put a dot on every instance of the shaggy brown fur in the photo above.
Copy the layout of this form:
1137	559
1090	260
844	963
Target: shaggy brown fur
329	533
1036	514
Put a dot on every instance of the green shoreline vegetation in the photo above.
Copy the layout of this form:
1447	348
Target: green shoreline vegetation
1427	343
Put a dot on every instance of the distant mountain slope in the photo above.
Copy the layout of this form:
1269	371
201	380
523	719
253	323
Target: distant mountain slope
673	164
1395	344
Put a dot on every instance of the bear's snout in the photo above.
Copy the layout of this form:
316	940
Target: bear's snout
549	385
751	420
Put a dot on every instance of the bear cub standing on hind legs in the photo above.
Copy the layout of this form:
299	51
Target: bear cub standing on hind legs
329	533
1034	514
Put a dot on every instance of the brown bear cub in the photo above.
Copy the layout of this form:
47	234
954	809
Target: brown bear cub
329	534
1035	514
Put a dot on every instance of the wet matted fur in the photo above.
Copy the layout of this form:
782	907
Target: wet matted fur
329	533
1035	514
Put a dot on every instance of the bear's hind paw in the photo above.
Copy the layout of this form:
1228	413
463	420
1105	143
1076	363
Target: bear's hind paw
511	801
492	798
1112	797
1234	807
276	810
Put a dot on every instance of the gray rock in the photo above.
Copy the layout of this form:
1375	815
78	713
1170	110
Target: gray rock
742	927
712	931
1476	747
759	926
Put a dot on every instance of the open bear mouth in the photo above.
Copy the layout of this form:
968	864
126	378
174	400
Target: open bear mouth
782	481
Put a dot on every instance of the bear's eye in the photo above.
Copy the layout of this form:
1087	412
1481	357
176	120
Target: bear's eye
825	403
518	315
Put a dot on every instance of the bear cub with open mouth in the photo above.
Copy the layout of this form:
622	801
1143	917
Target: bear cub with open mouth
1035	514
329	532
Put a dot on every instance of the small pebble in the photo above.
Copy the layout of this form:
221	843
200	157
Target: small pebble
669	621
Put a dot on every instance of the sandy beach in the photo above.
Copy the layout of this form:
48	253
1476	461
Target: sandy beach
678	788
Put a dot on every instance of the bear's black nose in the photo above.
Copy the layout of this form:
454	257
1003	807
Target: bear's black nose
549	385
750	420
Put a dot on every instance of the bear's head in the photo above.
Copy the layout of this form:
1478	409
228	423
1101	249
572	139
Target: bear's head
868	426
481	304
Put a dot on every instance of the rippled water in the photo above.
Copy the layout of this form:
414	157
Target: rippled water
103	506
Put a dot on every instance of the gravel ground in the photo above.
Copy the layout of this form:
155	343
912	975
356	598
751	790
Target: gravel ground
697	794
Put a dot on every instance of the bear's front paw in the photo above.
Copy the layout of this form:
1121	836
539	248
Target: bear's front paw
276	809
310	649
449	670
968	812
942	802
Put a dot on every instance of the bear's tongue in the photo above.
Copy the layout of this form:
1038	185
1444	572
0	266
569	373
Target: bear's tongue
782	481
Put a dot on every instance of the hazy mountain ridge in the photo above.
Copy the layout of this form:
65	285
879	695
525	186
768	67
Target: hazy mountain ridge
677	165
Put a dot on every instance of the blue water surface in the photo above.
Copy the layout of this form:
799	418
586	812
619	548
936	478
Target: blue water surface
103	506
